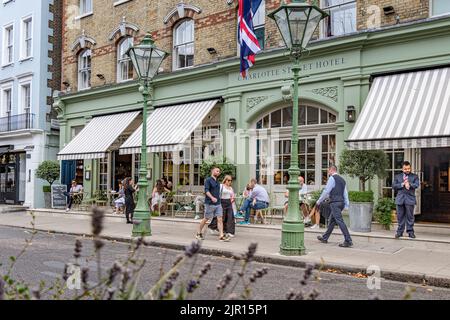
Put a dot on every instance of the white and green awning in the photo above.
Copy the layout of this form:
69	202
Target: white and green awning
97	136
408	110
169	127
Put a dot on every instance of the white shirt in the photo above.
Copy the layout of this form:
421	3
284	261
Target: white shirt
226	193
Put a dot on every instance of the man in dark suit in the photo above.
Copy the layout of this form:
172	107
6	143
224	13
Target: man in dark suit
405	184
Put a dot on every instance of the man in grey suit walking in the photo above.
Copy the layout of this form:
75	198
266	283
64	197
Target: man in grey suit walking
336	190
405	184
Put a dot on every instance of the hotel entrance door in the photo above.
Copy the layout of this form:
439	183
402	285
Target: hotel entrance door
8	174
436	185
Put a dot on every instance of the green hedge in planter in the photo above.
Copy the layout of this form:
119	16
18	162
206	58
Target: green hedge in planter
47	188
383	212
360	196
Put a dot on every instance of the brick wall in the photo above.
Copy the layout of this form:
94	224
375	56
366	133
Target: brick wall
55	68
215	26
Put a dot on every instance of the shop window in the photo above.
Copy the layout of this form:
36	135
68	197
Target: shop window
395	158
439	7
103	174
84	70
168	166
124	64
281	160
341	19
328	155
262	161
183	45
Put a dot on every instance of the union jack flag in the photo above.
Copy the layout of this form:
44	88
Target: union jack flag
247	40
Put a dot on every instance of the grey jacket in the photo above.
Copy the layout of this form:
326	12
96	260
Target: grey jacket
405	196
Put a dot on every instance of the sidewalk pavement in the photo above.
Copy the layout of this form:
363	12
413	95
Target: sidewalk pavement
420	260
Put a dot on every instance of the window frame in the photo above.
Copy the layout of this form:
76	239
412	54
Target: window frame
437	15
24	39
22	106
122	59
176	46
5	61
81	70
322	32
7	86
83	12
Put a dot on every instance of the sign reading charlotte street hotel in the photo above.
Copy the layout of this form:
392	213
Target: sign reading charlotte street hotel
285	70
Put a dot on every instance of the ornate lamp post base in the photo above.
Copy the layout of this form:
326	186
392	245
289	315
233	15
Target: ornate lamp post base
141	224
292	239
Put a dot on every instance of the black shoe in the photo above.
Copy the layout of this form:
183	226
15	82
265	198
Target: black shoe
345	244
412	235
129	222
398	235
322	239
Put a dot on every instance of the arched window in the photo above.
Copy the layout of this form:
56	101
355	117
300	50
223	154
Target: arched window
84	69
183	44
124	64
316	148
307	115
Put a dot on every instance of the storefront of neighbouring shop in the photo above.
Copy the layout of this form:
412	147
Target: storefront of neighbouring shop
210	111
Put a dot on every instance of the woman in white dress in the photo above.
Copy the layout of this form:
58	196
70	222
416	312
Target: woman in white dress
158	197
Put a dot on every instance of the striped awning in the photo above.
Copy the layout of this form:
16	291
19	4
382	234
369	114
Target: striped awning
169	127
408	110
97	136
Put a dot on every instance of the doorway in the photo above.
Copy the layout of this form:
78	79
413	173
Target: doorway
435	185
122	166
8	179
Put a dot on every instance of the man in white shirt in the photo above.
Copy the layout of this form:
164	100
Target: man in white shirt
260	200
301	193
75	188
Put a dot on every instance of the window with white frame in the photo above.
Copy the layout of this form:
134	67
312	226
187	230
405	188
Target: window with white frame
124	64
85	7
103	174
8	44
84	70
26	42
184	44
25	97
6	99
439	7
341	19
395	158
259	22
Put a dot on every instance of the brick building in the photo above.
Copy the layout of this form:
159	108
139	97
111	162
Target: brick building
247	120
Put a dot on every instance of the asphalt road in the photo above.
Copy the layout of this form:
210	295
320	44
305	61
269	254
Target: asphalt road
46	257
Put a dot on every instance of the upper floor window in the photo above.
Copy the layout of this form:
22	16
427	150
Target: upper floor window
84	70
124	64
184	44
85	7
25	97
342	18
259	22
26	38
439	7
8	44
6	100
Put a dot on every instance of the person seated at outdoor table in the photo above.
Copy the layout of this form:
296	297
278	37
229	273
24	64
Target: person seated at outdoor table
120	201
245	203
259	200
167	184
302	197
74	189
199	204
158	197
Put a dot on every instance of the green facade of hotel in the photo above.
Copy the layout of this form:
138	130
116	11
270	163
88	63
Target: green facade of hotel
336	73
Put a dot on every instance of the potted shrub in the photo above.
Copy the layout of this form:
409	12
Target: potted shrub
364	165
49	171
384	211
226	168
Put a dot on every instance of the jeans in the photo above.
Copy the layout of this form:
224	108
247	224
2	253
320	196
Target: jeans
69	199
258	206
246	204
336	218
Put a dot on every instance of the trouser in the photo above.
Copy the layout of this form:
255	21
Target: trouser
258	206
247	202
228	218
69	199
336	218
405	217
199	203
129	209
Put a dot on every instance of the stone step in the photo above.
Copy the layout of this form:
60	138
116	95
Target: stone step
12	208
